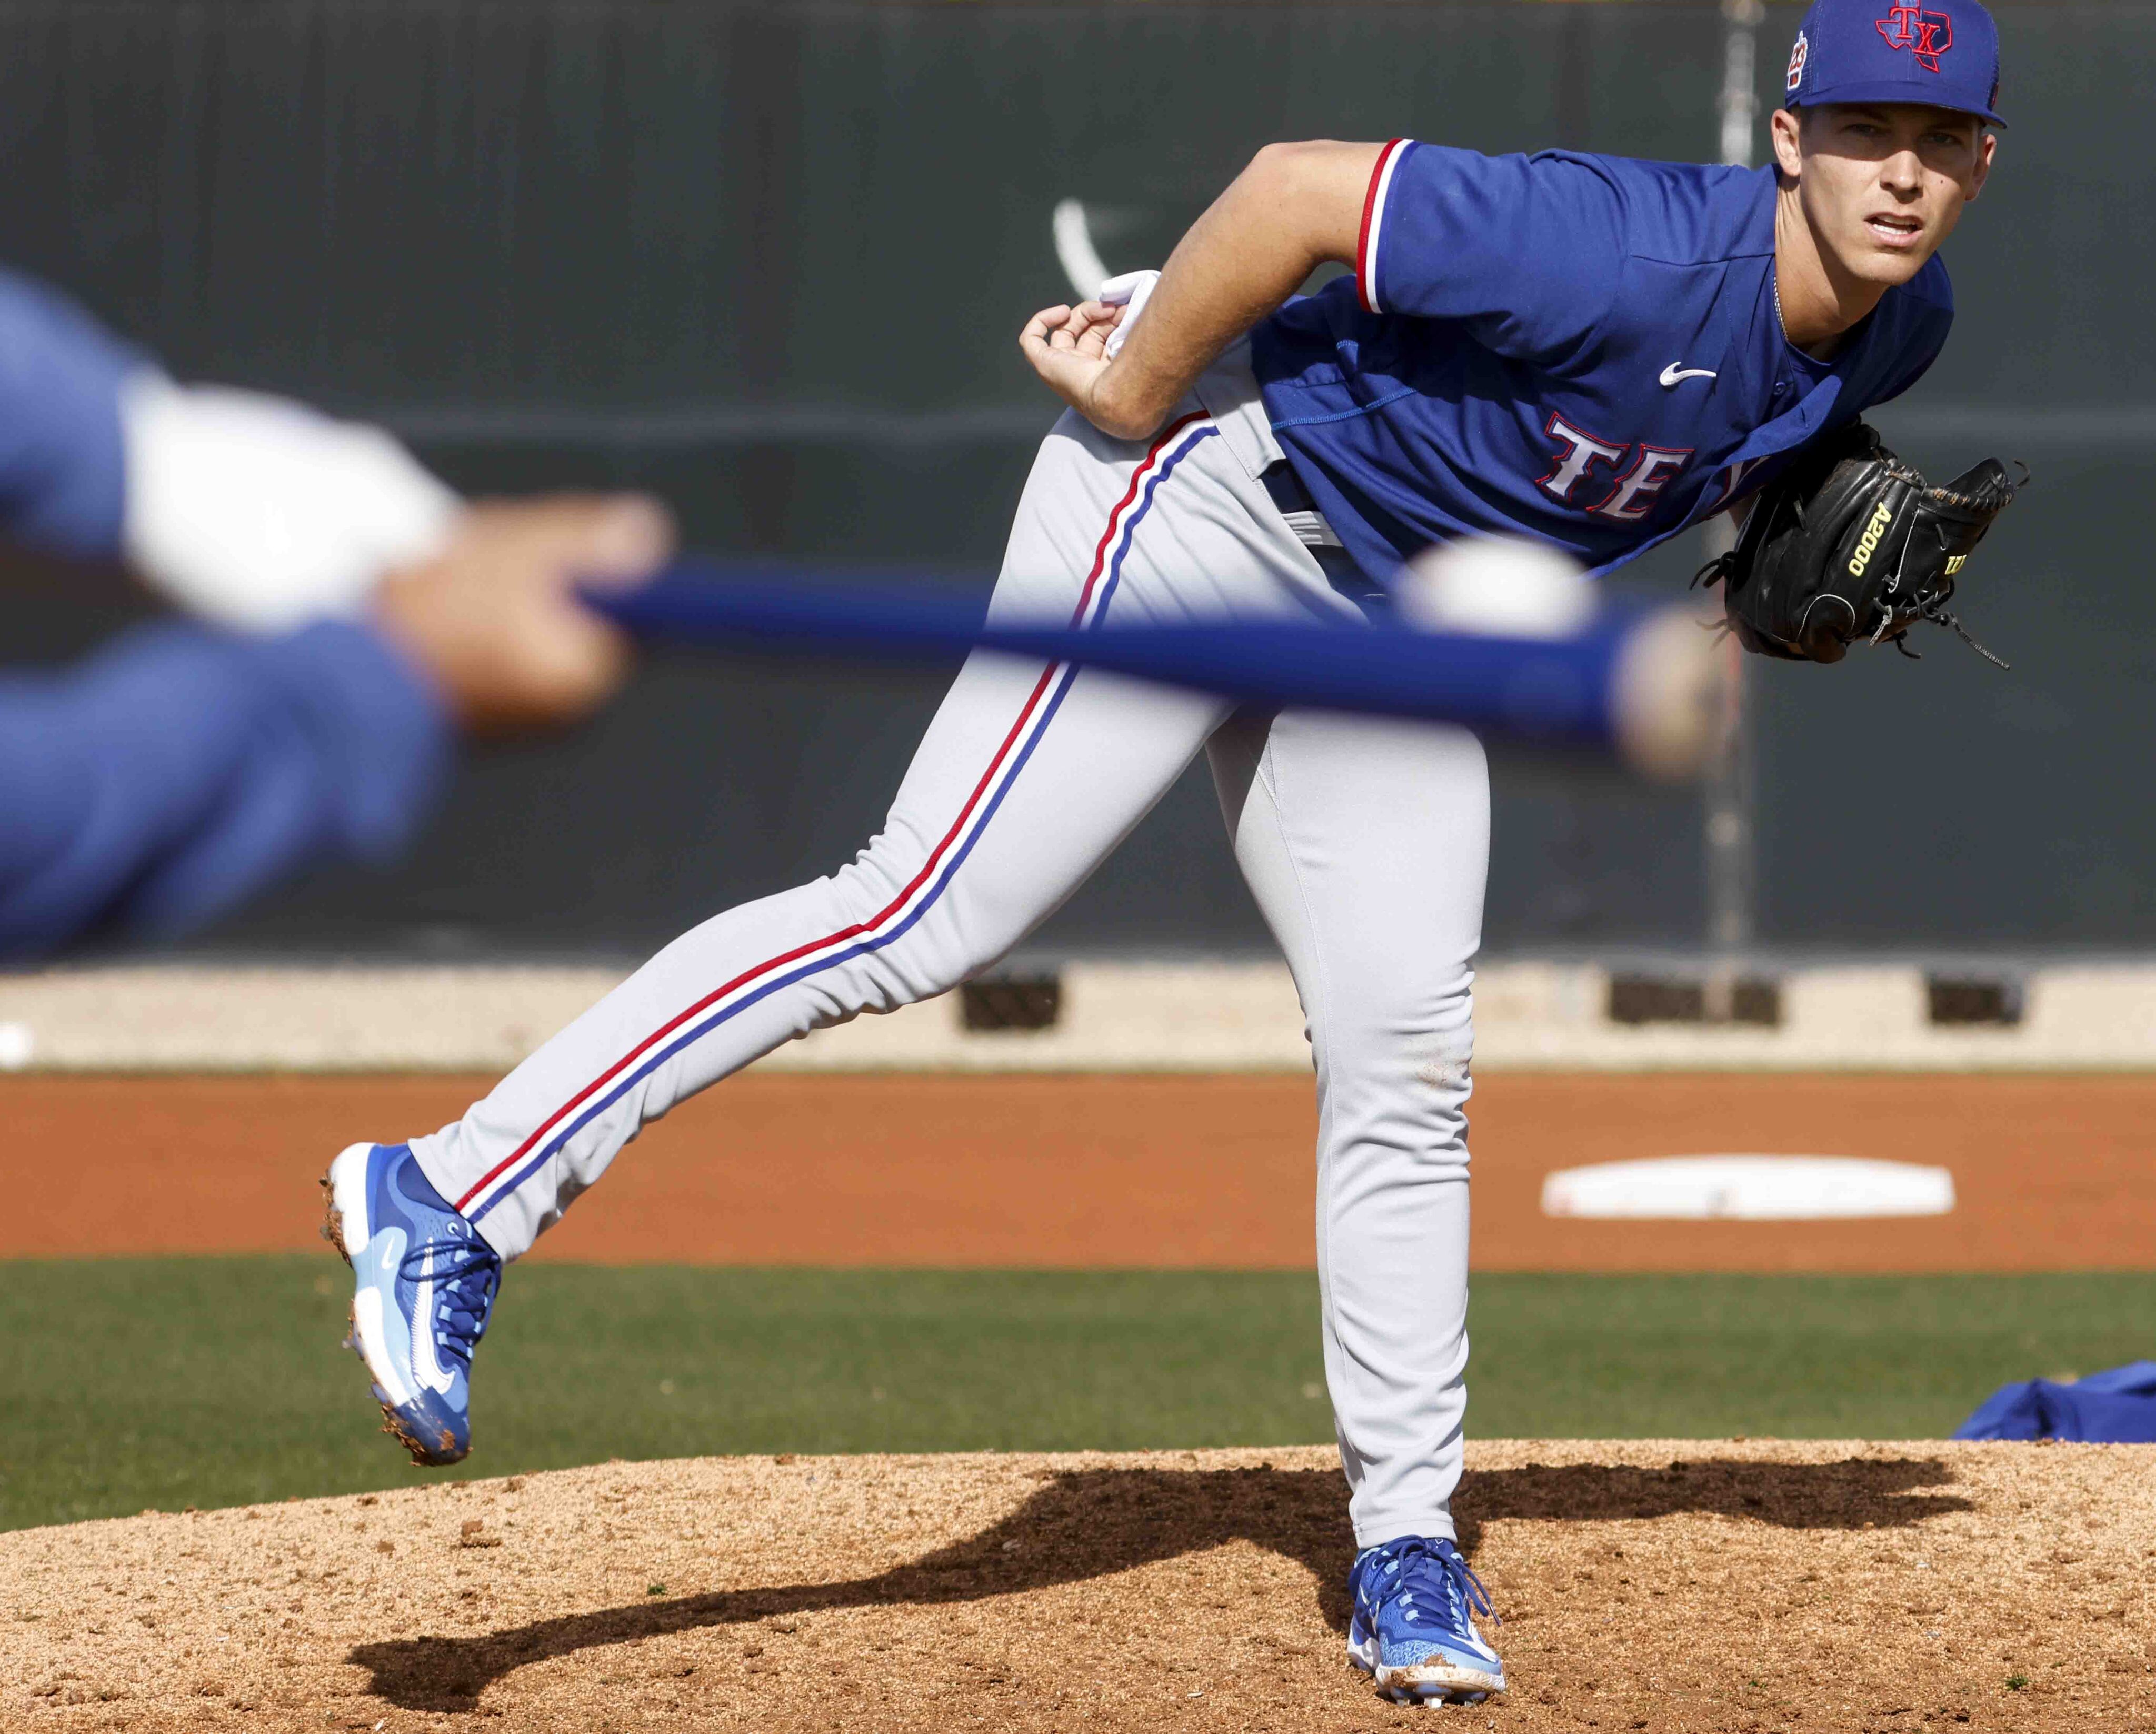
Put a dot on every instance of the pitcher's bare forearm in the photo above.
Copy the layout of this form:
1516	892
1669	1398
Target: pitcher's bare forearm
1294	208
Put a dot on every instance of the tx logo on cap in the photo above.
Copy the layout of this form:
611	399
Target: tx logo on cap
1925	34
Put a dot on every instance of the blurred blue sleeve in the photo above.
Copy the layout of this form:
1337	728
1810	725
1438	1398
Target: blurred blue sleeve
63	461
178	772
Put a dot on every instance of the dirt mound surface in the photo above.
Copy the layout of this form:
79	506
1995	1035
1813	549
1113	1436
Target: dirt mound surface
1686	1585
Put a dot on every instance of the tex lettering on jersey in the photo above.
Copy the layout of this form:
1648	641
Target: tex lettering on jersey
1641	483
1583	350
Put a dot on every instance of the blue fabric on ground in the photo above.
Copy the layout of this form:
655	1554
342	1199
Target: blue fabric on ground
2117	1407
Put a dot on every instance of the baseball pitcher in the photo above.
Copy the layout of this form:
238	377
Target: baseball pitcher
1592	352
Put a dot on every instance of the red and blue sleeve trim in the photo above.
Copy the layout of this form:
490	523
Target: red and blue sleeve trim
1369	243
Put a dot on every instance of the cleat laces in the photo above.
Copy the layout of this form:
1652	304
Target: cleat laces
466	1277
1437	1587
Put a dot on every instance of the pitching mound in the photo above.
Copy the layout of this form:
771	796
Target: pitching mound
1644	1586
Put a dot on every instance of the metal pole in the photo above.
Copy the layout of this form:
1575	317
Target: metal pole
1739	102
1730	790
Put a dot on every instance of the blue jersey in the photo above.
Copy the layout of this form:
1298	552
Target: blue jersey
179	772
63	482
1584	350
154	787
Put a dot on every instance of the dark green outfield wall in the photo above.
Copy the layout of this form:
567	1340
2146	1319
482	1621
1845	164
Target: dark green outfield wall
769	261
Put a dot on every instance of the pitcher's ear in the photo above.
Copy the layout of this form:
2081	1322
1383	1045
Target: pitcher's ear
1785	138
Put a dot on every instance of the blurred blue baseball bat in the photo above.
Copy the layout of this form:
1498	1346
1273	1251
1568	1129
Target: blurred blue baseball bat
1638	683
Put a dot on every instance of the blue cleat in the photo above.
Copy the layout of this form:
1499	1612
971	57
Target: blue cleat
426	1283
1413	1628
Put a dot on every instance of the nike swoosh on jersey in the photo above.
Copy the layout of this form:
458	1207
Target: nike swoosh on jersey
1676	375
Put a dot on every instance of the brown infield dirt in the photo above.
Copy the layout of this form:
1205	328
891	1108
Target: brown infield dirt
2053	1172
1687	1586
1669	1586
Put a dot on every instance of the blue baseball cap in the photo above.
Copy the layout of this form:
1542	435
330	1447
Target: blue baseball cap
1941	53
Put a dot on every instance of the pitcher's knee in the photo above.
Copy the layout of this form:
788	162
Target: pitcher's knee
1399	1085
1420	1033
915	940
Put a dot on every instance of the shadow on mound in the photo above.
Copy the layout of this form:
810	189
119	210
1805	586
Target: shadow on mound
1093	1522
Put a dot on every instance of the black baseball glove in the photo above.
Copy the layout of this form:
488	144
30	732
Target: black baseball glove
1851	545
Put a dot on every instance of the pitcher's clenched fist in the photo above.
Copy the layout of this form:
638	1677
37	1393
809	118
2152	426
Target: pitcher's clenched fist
1068	347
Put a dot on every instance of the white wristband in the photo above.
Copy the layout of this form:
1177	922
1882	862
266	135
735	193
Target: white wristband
259	514
1130	291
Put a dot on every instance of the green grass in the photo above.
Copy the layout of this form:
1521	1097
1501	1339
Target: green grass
126	1384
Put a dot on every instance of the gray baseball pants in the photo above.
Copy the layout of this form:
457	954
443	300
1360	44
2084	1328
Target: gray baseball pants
1365	843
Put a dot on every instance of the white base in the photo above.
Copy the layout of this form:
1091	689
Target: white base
1749	1188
